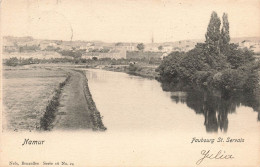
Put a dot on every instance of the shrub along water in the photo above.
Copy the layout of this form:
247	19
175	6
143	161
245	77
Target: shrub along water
52	107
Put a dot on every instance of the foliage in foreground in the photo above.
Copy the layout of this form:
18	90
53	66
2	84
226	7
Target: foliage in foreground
215	63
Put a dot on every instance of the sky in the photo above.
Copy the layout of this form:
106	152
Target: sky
125	20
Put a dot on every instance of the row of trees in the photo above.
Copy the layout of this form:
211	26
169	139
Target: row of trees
214	63
141	47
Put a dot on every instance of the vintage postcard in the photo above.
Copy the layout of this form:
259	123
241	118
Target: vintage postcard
96	83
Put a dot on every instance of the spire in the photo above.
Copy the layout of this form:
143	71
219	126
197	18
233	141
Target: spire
152	39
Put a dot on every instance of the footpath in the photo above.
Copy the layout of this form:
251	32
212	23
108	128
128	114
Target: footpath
77	109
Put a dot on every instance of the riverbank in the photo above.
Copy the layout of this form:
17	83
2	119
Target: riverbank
77	110
136	69
52	107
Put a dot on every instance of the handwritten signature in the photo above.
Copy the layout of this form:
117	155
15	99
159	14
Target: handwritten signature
220	155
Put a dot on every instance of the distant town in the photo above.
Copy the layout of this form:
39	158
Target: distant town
28	47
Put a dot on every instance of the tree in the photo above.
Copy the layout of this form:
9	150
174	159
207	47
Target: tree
169	69
118	44
225	29
140	46
215	63
12	61
160	47
104	50
224	36
214	58
213	31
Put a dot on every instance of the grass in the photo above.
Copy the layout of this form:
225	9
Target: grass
31	98
26	92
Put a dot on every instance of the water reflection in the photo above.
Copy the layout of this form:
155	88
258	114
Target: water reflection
215	106
130	104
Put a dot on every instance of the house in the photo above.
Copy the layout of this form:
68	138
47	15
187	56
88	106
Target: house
167	48
246	43
254	46
177	49
9	47
87	47
151	48
44	45
163	56
52	44
130	47
65	46
126	46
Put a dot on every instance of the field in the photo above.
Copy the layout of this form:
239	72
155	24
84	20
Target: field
26	92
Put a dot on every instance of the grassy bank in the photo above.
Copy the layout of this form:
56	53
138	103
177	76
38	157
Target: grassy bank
75	112
52	107
95	115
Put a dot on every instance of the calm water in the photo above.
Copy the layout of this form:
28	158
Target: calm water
131	103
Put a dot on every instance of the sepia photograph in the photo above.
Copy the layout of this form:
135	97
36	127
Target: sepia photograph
130	83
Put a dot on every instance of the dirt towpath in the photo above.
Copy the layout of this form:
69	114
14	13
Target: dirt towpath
77	109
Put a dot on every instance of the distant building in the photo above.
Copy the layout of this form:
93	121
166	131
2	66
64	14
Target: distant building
9	47
45	44
188	48
164	55
151	48
167	48
254	46
126	46
246	43
52	44
130	48
177	49
65	46
88	48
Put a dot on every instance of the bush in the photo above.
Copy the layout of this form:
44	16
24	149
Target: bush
215	63
202	78
251	82
12	61
133	68
169	69
231	80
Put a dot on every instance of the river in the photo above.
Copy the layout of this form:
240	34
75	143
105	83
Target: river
146	126
131	103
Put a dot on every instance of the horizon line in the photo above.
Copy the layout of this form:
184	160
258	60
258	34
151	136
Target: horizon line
119	41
